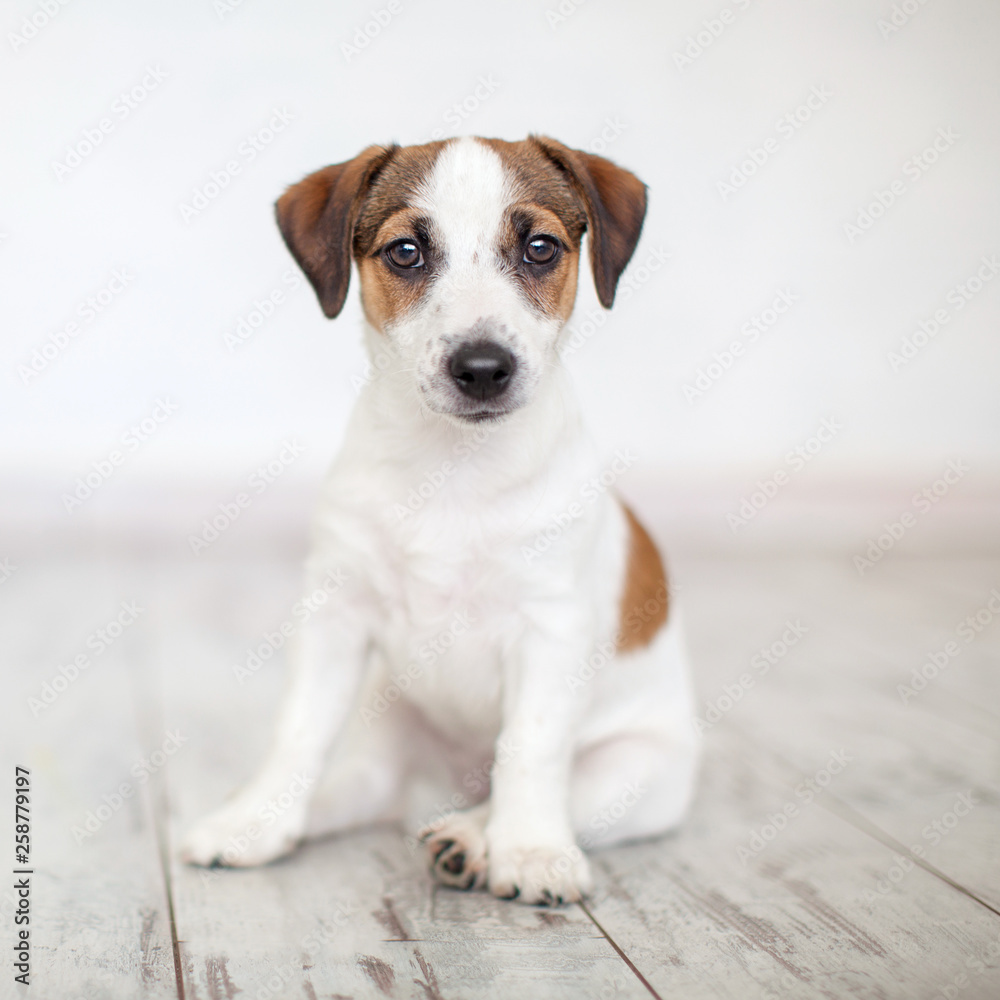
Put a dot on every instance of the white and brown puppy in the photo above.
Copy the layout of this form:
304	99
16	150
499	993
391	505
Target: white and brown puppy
457	648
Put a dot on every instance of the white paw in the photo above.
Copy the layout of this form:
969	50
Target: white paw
457	846
243	833
547	875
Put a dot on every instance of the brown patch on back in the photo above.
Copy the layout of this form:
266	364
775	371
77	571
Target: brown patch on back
645	599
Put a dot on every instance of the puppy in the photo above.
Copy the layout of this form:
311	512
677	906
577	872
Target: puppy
497	663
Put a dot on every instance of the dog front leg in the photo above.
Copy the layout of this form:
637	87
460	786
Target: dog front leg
532	851
267	818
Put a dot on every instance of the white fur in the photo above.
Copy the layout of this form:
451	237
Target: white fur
445	684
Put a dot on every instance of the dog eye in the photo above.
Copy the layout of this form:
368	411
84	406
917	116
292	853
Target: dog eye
405	254
540	250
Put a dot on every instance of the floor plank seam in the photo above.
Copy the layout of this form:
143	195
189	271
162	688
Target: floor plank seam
862	824
147	710
621	954
164	852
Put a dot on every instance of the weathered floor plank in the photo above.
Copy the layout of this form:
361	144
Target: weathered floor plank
924	771
100	924
355	915
824	907
764	893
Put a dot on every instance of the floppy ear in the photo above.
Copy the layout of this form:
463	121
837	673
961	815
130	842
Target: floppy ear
615	203
317	216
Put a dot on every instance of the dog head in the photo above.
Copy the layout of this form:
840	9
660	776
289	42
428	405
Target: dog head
467	252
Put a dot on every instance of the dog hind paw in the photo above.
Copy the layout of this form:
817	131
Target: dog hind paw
457	849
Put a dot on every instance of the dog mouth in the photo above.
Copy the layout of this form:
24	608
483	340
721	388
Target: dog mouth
482	416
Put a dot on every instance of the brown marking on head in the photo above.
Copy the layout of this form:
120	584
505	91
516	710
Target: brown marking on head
614	201
550	289
317	218
545	204
340	209
358	207
645	598
386	294
393	191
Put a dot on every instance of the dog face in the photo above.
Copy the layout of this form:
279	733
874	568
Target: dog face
467	252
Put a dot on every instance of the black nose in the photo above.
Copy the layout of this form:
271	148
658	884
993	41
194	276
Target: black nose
482	370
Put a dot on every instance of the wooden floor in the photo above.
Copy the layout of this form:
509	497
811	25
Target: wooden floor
843	843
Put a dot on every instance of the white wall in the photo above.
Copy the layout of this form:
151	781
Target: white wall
681	129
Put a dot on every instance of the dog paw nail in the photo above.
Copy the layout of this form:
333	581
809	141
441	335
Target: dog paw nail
444	846
455	863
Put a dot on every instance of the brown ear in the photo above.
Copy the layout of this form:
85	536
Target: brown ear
615	203
317	216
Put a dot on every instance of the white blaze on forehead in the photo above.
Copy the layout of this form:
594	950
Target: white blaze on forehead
465	197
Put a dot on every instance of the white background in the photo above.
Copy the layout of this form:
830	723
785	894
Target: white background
681	129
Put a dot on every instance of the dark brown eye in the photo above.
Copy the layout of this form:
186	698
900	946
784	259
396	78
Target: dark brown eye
540	250
405	254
